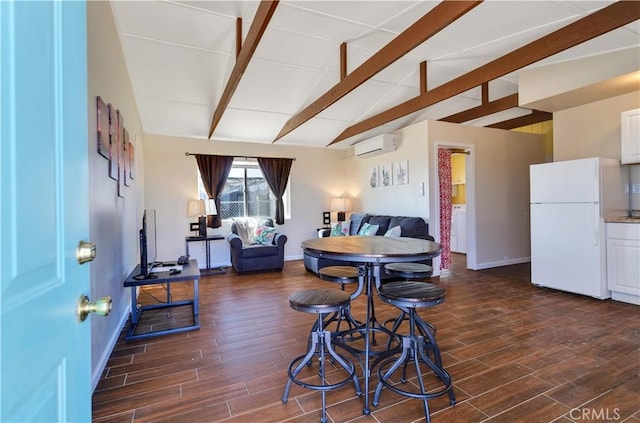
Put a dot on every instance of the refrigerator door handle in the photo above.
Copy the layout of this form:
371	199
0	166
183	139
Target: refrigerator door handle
596	223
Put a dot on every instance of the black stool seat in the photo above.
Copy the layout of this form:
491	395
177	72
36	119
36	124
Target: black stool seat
409	270
411	294
319	300
339	274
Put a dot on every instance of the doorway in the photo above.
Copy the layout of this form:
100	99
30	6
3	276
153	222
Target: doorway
438	209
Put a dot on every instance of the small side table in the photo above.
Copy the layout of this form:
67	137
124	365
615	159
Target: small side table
207	240
189	273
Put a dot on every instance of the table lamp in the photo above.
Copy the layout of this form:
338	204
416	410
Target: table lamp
340	205
198	208
210	206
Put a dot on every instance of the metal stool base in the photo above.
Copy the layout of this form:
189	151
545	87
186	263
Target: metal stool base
416	346
321	343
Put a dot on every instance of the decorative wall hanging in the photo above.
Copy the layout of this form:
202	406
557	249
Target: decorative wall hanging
125	157
373	177
103	128
113	142
402	172
120	152
386	175
132	173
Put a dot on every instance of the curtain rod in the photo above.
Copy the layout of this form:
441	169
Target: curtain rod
246	157
459	151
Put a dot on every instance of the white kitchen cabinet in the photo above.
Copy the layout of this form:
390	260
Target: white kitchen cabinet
623	261
630	134
458	238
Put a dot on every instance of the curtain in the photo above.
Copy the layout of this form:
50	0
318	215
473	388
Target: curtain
276	173
444	182
214	171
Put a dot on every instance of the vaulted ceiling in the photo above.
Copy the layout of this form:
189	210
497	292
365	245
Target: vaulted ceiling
332	73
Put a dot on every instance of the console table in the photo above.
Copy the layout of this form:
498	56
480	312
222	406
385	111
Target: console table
207	240
189	273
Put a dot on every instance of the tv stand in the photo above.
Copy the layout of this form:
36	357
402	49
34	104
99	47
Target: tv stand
189	273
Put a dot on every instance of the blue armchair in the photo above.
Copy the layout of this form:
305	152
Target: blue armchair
247	257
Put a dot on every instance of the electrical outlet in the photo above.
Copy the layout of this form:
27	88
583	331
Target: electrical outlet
635	188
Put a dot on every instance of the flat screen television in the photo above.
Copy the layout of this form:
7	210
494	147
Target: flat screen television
148	243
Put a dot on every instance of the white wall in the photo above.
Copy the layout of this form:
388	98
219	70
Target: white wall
171	180
498	184
593	130
394	200
113	220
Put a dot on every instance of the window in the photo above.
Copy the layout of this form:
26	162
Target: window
246	193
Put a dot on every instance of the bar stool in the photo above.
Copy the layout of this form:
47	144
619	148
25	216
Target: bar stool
409	296
344	275
320	302
408	271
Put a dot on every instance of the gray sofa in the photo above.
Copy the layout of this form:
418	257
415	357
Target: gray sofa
247	257
413	227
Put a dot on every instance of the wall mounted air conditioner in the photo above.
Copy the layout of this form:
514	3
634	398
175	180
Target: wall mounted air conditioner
381	144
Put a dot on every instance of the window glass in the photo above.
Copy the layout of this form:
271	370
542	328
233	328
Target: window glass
246	193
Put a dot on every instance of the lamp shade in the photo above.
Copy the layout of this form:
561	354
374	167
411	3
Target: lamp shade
196	208
210	206
340	204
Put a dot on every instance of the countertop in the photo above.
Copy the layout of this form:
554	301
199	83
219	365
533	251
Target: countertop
622	219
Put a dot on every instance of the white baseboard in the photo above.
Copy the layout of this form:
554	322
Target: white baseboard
106	353
500	263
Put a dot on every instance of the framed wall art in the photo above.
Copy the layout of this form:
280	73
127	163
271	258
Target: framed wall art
113	142
132	172
402	172
125	157
386	175
120	152
373	177
103	127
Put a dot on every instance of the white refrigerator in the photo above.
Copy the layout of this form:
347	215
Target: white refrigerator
569	200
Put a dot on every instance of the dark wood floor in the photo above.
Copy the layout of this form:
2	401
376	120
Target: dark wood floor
516	353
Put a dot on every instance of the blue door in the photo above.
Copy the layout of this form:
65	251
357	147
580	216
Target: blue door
44	349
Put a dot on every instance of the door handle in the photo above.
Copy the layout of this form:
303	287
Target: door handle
102	307
85	252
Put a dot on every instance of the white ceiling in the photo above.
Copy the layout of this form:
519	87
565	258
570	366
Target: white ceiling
180	55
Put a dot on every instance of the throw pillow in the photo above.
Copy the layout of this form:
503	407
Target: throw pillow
263	235
245	228
395	231
368	229
340	228
356	220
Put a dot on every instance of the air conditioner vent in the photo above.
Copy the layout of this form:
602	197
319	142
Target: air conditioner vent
381	144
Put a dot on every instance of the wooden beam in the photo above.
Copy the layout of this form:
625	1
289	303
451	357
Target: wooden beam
536	116
423	77
430	24
258	27
604	20
343	61
484	109
238	37
485	92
